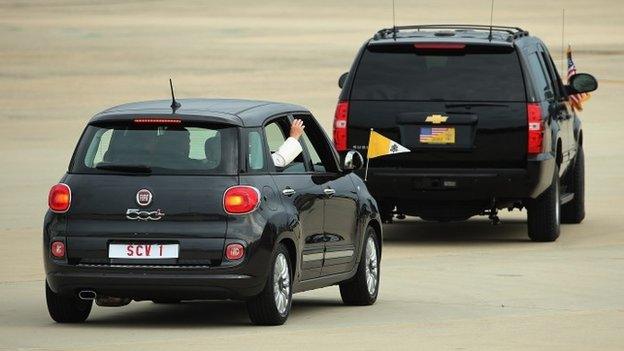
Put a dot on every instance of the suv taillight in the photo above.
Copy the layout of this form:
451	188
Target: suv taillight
536	129
340	125
59	198
241	199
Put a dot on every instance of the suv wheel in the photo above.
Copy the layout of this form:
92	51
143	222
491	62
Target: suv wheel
544	213
574	211
362	289
65	309
272	305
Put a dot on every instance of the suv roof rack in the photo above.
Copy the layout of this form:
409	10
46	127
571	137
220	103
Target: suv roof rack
514	32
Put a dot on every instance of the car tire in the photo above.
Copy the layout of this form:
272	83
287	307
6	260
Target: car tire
574	211
272	305
362	289
64	309
544	213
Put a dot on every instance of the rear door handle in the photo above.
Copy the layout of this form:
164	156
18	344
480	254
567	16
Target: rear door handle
329	191
288	192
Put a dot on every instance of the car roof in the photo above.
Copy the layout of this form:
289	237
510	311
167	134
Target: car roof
464	33
239	112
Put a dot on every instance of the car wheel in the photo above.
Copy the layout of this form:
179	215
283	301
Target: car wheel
362	289
65	309
272	305
544	213
574	211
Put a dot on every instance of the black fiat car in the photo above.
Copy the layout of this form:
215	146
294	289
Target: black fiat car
171	203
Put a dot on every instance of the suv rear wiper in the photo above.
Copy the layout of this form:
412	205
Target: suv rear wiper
124	167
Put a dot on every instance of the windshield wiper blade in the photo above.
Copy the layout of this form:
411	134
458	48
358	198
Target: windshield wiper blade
124	167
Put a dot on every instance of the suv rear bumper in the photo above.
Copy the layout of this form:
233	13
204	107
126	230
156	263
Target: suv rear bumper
463	184
141	282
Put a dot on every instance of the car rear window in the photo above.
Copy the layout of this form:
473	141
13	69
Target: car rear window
475	73
157	149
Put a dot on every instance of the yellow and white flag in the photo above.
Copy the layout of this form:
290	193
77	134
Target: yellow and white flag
379	145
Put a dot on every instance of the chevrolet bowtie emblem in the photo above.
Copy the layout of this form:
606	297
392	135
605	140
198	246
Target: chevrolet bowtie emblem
436	119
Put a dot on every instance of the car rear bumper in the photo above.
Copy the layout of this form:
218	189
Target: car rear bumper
462	184
151	282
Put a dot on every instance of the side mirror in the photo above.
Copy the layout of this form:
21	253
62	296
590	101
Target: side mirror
342	79
582	83
353	161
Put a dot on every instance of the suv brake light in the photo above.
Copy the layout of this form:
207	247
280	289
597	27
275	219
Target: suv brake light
241	199
59	198
440	46
157	121
536	129
340	125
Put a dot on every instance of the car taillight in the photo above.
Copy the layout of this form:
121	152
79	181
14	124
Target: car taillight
57	249
157	121
234	252
340	125
241	199
536	129
59	198
440	46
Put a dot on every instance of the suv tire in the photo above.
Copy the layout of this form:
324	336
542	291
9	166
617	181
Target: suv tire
544	213
272	305
65	309
362	289
574	211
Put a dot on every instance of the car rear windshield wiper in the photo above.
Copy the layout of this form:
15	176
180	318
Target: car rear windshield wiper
124	167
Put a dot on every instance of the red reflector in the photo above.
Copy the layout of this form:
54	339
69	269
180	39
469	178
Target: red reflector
234	252
57	249
59	198
440	46
241	199
341	118
157	121
535	129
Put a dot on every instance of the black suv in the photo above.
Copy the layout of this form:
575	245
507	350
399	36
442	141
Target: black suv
181	203
485	115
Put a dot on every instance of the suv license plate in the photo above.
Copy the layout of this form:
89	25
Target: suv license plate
437	135
143	251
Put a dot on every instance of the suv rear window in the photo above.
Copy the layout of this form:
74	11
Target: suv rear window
476	73
157	149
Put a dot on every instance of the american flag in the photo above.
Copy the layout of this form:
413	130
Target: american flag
576	100
429	134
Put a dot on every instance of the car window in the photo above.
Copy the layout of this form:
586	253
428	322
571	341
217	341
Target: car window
163	149
398	72
319	149
552	73
255	157
540	77
276	135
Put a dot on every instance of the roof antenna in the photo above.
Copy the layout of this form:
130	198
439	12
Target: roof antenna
491	17
563	55
393	22
174	104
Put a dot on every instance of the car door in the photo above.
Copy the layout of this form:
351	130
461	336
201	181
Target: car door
297	187
560	110
341	201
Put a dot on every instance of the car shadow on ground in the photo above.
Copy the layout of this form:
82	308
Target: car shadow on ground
475	231
194	314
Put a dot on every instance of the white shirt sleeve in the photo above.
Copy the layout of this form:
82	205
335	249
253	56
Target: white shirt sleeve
287	152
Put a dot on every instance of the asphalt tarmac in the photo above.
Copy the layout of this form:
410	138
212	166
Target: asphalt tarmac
454	286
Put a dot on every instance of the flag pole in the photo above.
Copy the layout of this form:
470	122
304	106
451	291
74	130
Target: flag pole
367	154
563	50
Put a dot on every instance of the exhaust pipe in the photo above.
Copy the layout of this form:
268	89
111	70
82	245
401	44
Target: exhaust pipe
87	295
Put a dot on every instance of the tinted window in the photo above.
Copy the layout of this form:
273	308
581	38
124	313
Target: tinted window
161	149
472	74
255	158
540	77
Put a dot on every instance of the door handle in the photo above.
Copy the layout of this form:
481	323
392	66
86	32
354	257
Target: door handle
329	191
288	192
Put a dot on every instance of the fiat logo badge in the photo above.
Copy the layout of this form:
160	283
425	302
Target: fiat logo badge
144	197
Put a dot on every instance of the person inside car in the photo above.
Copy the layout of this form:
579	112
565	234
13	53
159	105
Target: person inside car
291	148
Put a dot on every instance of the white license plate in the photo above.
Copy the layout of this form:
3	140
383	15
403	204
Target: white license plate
143	251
